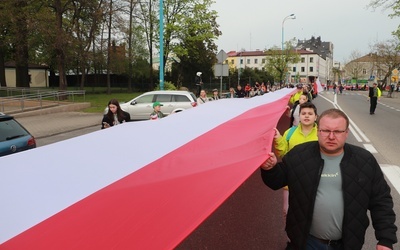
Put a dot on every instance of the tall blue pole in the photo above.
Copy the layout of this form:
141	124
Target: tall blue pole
161	45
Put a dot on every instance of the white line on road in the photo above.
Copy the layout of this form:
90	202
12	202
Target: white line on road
370	148
392	173
358	138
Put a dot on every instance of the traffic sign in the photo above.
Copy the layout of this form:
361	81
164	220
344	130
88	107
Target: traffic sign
221	56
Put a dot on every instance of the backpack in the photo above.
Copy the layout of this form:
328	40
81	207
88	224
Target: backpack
290	133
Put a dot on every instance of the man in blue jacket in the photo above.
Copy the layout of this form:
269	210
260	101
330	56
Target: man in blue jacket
332	185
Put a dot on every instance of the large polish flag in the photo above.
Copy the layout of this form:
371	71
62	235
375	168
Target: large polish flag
139	185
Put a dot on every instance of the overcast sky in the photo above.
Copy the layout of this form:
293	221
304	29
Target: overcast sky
257	24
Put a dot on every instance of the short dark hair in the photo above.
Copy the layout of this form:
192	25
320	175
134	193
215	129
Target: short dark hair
308	105
334	113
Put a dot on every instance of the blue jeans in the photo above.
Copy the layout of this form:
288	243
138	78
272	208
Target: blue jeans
315	244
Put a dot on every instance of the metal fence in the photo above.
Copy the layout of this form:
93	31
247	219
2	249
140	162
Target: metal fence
25	99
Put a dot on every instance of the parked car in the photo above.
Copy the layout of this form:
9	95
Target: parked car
173	101
348	87
13	136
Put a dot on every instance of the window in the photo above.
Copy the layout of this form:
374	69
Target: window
311	69
181	98
302	69
263	61
248	61
303	60
294	69
232	61
311	59
164	98
364	71
145	99
255	61
241	61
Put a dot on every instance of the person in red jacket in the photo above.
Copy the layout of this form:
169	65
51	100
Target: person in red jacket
247	90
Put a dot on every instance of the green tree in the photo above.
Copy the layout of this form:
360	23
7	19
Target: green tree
386	56
86	17
5	38
277	61
14	35
190	31
146	14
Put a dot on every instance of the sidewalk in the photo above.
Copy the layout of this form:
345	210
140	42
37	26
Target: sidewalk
55	123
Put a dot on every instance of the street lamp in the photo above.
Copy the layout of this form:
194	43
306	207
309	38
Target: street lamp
161	22
291	16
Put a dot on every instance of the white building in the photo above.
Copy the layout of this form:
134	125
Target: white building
311	64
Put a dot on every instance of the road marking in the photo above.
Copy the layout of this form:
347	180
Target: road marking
358	130
392	173
370	148
358	138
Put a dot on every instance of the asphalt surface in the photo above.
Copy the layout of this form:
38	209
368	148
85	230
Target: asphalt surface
60	122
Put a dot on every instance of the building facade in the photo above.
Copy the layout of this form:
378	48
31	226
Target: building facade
366	70
311	64
38	74
323	53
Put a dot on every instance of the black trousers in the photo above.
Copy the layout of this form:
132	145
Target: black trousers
198	90
373	101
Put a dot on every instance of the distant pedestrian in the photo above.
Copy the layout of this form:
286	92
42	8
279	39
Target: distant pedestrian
203	97
263	89
115	115
215	95
199	83
231	94
373	97
157	114
295	97
391	89
247	90
240	92
295	111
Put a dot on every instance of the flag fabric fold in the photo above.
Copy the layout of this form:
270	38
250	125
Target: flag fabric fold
140	185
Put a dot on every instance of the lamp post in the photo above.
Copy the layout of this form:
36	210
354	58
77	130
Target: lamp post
161	44
291	16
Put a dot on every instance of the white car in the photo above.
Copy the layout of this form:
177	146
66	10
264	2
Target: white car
173	101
